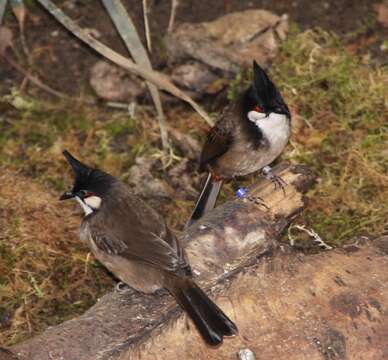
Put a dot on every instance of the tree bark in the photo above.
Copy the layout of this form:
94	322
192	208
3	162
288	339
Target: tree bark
223	249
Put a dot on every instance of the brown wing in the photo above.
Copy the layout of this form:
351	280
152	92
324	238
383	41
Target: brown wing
219	139
133	230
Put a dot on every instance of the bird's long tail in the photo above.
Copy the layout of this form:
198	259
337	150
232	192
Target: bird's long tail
206	199
209	319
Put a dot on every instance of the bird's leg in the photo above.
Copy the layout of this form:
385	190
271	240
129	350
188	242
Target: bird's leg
278	182
242	194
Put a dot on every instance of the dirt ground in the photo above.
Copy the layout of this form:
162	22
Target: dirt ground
64	63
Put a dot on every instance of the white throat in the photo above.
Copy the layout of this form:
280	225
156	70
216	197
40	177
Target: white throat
275	128
89	204
256	116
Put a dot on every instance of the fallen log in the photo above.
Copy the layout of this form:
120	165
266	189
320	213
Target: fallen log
220	247
333	305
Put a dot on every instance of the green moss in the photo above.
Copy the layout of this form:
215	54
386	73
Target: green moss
342	100
121	126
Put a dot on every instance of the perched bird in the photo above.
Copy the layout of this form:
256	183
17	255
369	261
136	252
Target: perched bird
249	135
133	241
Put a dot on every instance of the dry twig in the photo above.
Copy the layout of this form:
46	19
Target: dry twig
155	77
174	5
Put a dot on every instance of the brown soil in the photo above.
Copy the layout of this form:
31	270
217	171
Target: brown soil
63	62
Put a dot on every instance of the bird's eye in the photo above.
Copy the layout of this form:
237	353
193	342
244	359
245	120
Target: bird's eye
257	108
84	193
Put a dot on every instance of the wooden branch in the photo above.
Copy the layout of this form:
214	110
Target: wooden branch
329	306
234	235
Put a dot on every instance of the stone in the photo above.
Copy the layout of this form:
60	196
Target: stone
202	53
112	83
194	76
144	183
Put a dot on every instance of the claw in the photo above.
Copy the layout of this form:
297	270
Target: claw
258	201
278	182
242	194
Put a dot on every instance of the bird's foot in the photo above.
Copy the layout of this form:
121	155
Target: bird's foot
278	182
122	287
242	193
258	201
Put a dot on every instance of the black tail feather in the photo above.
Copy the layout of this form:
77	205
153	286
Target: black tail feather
209	319
206	200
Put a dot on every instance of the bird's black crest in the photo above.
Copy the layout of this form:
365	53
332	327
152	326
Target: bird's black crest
264	93
87	178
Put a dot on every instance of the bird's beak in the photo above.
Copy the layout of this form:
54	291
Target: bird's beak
67	195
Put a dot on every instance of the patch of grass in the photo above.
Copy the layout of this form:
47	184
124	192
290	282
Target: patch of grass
46	274
121	126
340	131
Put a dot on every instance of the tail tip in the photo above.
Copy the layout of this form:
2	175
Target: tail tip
217	339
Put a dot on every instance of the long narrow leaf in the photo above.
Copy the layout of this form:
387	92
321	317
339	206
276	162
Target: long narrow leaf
174	5
128	33
155	77
3	4
146	12
20	12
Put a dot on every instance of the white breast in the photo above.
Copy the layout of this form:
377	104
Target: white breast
89	204
275	129
87	210
93	202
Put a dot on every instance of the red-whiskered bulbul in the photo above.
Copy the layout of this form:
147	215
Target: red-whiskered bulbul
133	241
248	136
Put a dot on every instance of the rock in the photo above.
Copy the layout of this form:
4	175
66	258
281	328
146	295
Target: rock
112	83
190	146
194	76
246	354
144	183
181	179
227	43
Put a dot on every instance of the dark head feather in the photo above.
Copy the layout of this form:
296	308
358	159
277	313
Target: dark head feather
86	178
264	93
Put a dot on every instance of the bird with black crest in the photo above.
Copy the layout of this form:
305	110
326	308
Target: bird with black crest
133	242
247	137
